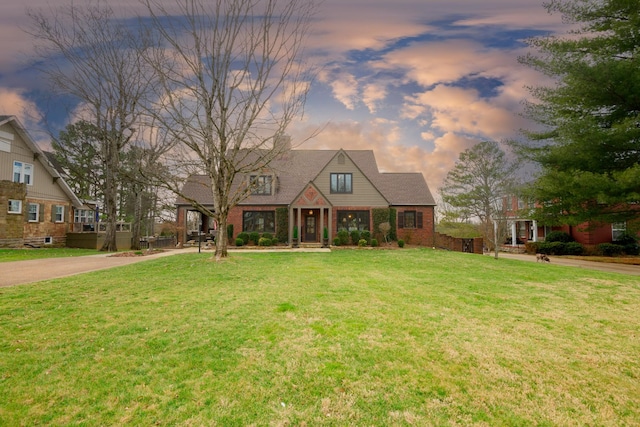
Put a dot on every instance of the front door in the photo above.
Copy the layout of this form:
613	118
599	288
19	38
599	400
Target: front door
310	234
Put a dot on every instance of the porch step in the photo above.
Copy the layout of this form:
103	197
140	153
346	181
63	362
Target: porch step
310	245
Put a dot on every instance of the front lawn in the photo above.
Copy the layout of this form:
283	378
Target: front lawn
403	337
7	255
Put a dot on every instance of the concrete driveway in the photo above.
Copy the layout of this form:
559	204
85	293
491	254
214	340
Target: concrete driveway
590	265
36	270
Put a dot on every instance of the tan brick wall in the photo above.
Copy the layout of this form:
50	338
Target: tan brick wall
11	225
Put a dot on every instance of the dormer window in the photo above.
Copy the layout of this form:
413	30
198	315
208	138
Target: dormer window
261	184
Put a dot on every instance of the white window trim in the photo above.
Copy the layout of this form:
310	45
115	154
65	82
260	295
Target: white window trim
22	168
37	205
61	214
618	228
19	211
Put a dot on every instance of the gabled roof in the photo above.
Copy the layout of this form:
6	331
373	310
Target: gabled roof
299	167
42	158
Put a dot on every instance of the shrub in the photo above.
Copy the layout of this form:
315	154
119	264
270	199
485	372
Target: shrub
532	247
573	248
629	244
355	236
558	236
264	241
336	241
254	237
239	241
275	240
610	249
551	248
229	232
343	236
374	242
362	243
267	236
401	243
325	233
245	237
282	224
366	235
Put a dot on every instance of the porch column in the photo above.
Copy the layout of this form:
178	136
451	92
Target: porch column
330	224
322	224
291	221
535	230
514	234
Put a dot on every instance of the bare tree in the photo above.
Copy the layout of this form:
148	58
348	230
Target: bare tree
232	78
90	54
477	185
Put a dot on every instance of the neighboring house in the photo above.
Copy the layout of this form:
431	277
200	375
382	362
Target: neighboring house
524	229
314	189
36	204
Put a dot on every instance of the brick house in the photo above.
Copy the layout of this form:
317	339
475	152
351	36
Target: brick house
36	204
523	229
314	189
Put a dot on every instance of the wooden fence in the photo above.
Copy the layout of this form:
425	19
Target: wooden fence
473	245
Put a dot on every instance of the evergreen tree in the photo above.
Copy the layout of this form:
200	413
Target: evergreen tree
589	147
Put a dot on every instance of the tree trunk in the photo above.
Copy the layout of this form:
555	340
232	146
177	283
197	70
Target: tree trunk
222	240
136	229
110	198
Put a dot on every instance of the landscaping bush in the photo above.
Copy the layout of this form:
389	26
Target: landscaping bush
610	249
267	236
532	247
551	248
336	241
245	237
558	236
629	243
343	237
239	241
366	235
264	241
229	232
282	224
362	243
374	242
355	236
401	243
254	237
573	248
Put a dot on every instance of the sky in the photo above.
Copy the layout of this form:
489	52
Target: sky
417	81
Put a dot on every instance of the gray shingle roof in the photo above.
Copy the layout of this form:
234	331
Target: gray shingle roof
299	167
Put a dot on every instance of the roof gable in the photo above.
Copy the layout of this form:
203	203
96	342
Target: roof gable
296	169
40	157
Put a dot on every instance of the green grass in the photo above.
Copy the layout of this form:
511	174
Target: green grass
7	255
384	338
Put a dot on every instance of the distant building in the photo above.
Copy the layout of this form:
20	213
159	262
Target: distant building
36	204
524	229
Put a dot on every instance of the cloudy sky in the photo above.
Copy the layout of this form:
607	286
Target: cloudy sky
417	81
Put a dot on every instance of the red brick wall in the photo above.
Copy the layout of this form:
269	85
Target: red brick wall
418	236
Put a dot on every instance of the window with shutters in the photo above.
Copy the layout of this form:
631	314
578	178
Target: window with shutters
34	212
410	219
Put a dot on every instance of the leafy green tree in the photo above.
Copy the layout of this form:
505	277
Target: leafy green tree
589	146
477	185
